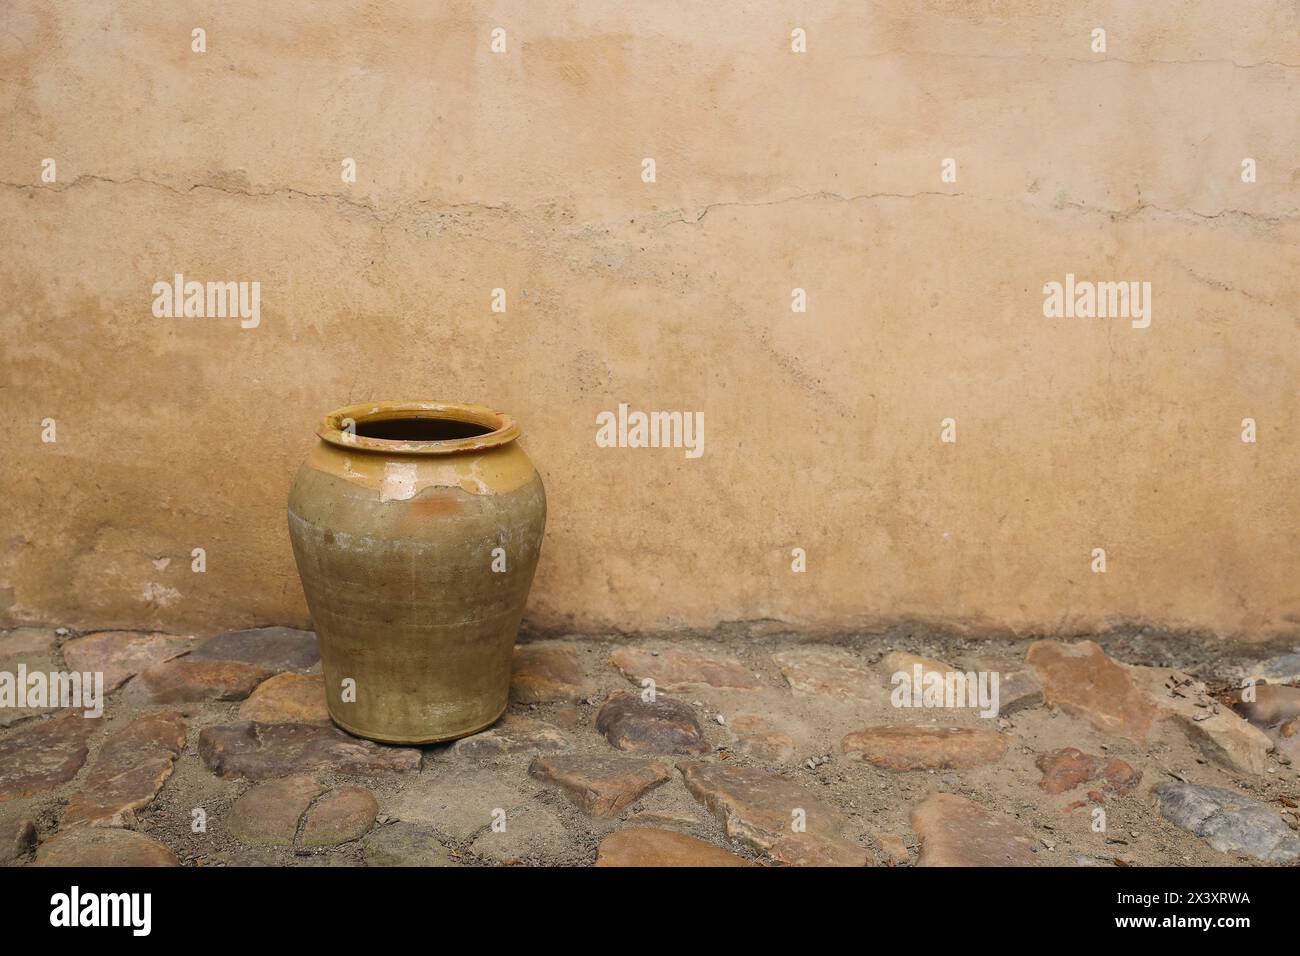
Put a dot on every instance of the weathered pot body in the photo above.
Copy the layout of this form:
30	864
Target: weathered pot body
416	527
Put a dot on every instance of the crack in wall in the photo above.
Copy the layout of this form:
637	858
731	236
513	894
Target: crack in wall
388	217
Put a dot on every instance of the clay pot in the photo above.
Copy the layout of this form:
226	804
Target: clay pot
416	539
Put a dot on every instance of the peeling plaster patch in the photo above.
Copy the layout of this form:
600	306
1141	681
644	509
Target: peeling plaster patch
399	481
474	483
161	563
160	594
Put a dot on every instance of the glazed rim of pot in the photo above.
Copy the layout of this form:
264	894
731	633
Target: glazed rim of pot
417	428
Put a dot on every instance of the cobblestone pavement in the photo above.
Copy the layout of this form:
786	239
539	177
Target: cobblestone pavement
219	752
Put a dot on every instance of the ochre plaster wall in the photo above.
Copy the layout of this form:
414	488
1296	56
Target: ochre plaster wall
775	170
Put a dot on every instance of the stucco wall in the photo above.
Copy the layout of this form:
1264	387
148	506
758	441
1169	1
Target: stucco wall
775	170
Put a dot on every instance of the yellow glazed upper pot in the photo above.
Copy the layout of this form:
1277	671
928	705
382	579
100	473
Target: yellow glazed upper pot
416	527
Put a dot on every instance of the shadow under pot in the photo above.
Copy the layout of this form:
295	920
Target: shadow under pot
416	527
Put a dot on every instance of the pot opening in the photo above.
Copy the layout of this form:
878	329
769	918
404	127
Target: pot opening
417	428
421	429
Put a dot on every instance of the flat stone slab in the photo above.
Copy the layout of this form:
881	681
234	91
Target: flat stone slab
340	816
665	726
457	804
288	699
674	668
129	770
120	655
774	816
544	671
274	648
1018	689
827	672
1018	686
270	813
513	735
1084	683
1230	740
301	811
36	650
405	844
187	680
955	831
760	737
647	846
529	833
103	846
896	662
262	751
924	748
1070	767
1218	732
1230	822
40	756
602	786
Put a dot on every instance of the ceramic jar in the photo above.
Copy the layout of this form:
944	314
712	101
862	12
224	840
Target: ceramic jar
416	527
